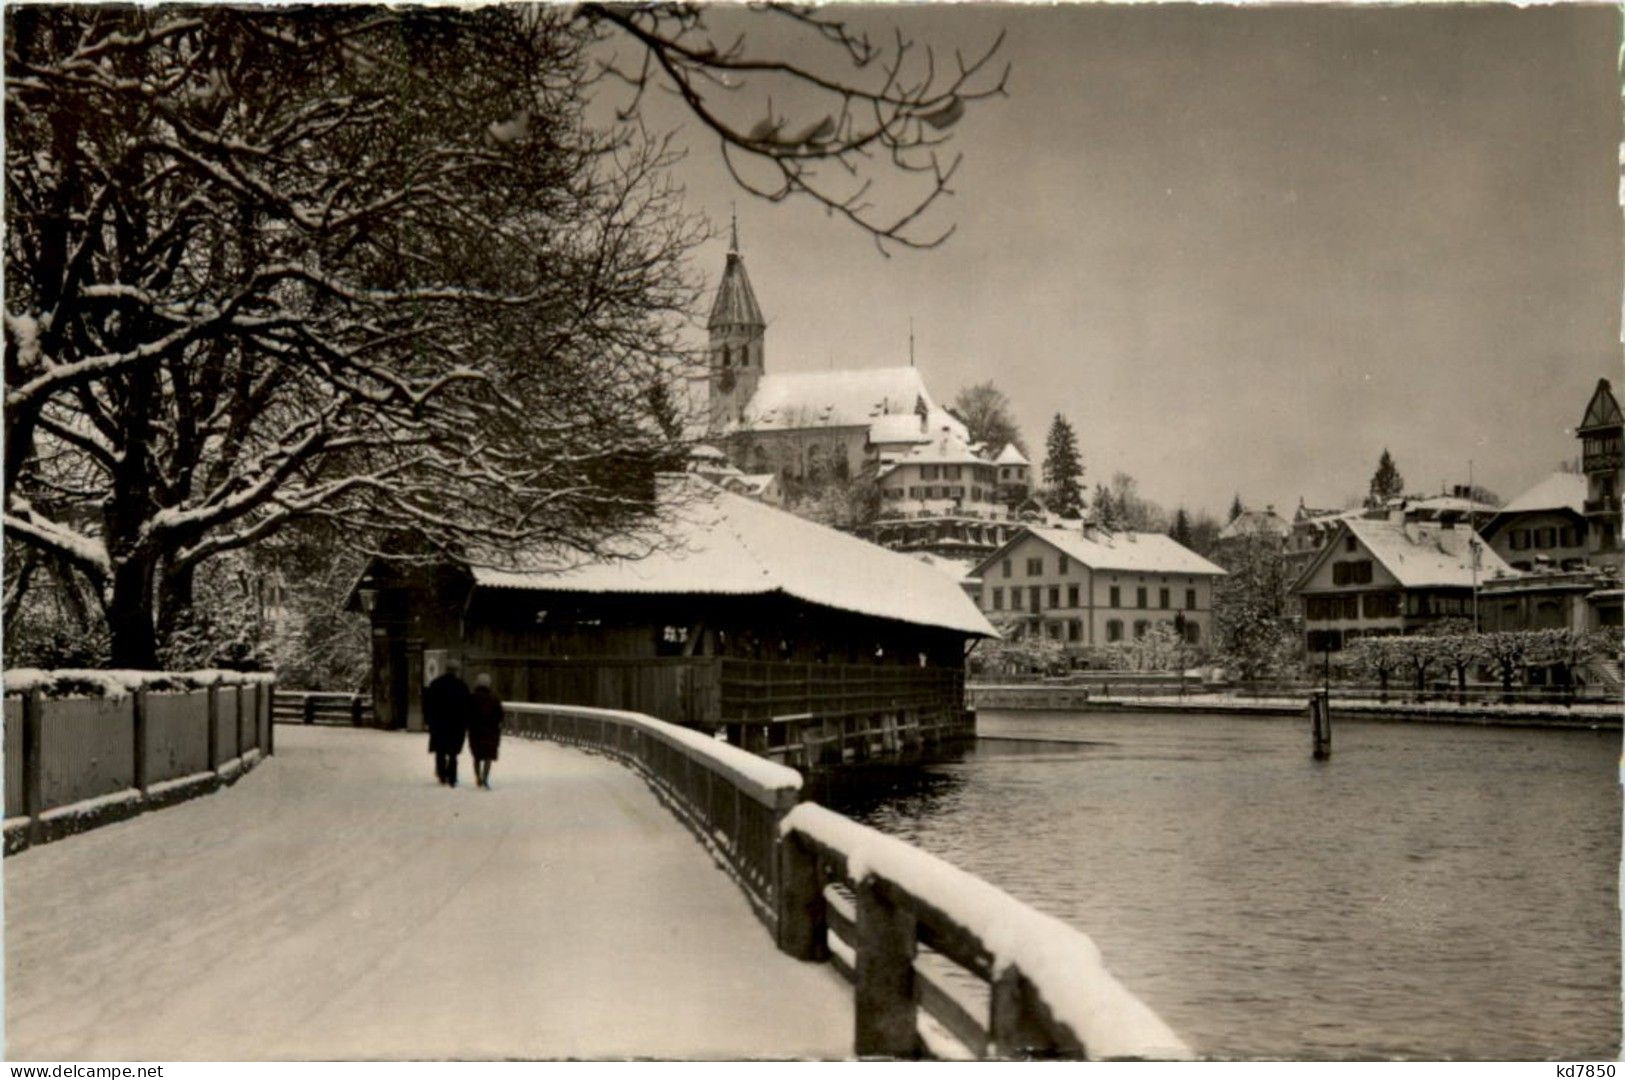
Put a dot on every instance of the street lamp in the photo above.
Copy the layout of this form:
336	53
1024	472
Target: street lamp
368	598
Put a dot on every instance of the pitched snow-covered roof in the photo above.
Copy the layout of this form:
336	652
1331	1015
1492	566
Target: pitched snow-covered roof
1135	552
908	428
1559	491
735	304
945	449
719	543
1420	554
854	397
1446	504
960	570
1011	456
1256	523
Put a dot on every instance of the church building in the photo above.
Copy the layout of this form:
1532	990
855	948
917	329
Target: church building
809	426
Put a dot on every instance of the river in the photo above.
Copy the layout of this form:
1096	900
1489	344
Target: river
1433	891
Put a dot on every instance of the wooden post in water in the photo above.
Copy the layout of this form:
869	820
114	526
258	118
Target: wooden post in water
1320	725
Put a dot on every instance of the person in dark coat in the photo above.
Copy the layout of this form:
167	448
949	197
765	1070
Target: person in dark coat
484	729
445	712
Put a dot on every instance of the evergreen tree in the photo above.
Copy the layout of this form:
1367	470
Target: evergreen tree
1181	530
1386	483
1063	469
1105	509
1236	509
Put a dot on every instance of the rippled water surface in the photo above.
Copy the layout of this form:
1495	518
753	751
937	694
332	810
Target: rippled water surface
1432	891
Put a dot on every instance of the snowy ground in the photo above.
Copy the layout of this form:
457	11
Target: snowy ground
338	903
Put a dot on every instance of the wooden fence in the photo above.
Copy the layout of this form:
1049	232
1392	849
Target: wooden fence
942	963
323	707
76	762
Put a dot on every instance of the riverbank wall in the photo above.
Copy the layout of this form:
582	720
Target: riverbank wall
1079	699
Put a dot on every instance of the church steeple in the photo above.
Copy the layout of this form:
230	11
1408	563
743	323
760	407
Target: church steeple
737	330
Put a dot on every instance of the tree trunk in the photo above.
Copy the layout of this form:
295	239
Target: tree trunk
174	599
129	615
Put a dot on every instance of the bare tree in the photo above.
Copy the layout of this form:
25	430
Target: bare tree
985	410
861	107
356	265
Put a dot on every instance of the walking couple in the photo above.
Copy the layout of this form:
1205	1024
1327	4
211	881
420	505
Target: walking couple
451	712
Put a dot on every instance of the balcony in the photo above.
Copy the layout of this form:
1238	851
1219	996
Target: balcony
1608	504
1599	460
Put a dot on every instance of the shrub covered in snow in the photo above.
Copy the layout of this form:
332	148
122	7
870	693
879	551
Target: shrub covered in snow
96	682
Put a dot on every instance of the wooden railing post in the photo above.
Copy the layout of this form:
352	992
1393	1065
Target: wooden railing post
310	709
270	719
355	710
884	995
138	746
33	761
803	920
240	689
213	739
1016	1021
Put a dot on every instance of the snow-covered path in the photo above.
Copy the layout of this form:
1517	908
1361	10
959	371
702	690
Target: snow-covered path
338	903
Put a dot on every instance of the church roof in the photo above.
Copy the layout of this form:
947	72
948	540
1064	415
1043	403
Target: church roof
735	304
854	397
1602	410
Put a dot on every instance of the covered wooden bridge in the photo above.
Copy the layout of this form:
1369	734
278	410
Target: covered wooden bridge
799	642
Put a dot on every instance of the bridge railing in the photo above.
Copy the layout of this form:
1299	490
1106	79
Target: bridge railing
733	800
917	935
943	963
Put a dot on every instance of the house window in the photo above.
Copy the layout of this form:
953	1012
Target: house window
1035	567
1074	630
1062	565
1162	599
1354	572
1033	593
1015	599
1190	599
1117	597
1054	596
998	599
1139	598
1193	633
1349	544
1006	568
1140	627
1114	629
1072	596
1520	540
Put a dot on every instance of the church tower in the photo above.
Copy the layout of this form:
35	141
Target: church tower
737	331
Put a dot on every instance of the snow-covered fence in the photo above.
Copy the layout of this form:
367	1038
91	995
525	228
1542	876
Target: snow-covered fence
87	747
732	799
913	918
943	963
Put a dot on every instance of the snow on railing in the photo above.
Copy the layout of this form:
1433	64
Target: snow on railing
1048	992
732	799
1044	990
86	747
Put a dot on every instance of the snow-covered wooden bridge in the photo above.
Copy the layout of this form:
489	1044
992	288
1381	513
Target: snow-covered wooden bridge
341	904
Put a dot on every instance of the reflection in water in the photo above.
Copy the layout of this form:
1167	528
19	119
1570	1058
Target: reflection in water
1432	891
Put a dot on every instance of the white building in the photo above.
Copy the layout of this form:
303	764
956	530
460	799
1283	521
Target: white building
1090	587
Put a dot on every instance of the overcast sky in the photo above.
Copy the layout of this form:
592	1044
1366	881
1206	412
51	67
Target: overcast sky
1245	249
